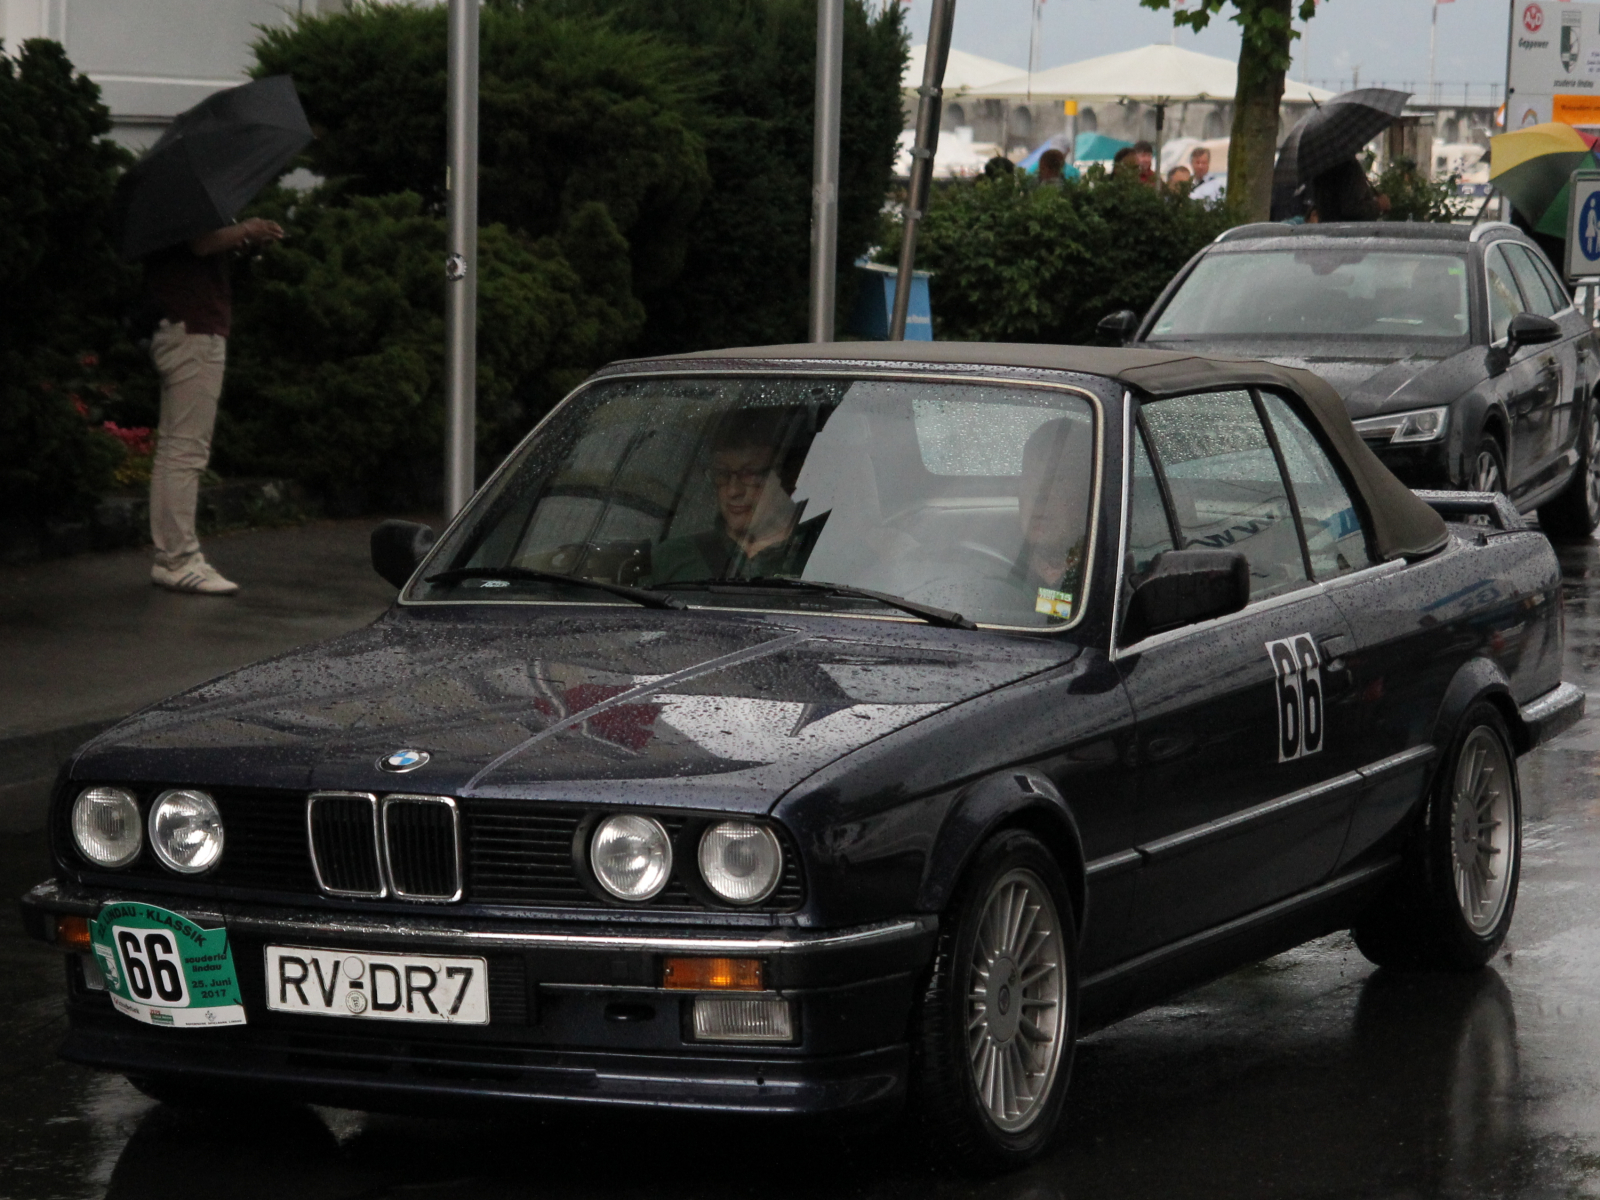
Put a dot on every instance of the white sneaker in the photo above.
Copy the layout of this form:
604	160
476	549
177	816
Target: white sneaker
196	577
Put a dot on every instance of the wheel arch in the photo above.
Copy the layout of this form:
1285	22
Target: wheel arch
1475	680
1014	798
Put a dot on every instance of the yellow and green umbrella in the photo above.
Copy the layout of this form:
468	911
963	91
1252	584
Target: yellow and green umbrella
1533	167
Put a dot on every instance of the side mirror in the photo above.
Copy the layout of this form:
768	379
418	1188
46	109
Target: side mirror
397	548
1530	329
1185	586
1122	324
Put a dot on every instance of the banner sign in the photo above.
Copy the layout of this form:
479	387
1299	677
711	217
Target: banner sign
163	969
1553	65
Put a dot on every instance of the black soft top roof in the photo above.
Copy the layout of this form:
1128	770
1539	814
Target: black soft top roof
1402	525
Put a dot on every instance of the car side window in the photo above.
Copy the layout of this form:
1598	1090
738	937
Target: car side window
1148	530
1552	282
1505	301
1538	295
1227	491
1334	537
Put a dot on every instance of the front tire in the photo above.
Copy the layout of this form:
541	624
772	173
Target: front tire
1452	906
1488	466
994	1037
1576	511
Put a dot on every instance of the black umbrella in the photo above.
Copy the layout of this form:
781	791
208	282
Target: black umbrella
209	164
1335	132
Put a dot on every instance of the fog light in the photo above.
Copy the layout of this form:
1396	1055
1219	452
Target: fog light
105	825
736	1019
72	933
712	975
186	831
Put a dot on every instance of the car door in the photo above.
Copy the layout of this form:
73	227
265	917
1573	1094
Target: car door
1545	296
1239	745
1528	386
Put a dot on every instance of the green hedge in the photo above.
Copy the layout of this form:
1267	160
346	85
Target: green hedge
335	372
1017	261
64	287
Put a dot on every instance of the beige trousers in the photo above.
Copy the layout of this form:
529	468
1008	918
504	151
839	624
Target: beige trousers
190	366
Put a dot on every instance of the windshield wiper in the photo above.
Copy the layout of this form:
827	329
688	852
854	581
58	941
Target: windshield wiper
933	616
638	595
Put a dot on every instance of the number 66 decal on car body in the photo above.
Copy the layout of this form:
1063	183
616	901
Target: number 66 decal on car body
1300	712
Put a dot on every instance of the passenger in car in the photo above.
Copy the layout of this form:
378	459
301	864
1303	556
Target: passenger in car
756	455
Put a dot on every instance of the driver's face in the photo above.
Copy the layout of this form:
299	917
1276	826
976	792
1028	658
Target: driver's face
750	495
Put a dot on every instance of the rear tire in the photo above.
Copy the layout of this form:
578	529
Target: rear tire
1576	511
1451	906
994	1036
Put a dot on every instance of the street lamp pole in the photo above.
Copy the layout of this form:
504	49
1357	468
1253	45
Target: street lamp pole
461	262
825	168
927	144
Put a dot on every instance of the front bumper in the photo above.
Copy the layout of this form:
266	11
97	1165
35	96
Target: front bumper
1420	464
576	1017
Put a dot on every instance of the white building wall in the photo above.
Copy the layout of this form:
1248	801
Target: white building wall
152	58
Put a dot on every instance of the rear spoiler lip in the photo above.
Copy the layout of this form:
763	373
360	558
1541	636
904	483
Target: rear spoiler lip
1462	506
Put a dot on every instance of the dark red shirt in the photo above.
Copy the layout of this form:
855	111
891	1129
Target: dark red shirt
185	287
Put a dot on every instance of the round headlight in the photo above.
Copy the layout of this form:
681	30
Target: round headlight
186	831
631	856
740	861
105	825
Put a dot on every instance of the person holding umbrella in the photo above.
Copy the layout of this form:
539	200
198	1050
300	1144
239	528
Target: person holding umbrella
1318	158
188	287
175	209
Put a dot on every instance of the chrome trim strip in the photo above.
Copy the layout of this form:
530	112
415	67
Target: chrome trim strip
1416	756
864	935
842	369
1122	532
1114	864
377	845
1240	924
1188	839
455	836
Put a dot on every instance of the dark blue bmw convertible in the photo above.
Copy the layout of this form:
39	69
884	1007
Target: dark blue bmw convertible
824	727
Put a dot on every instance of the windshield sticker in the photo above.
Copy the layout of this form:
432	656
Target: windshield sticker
1299	672
163	969
1053	603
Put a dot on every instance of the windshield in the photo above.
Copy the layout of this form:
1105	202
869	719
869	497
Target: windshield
1323	292
975	498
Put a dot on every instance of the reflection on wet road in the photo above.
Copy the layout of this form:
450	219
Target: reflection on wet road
1311	1075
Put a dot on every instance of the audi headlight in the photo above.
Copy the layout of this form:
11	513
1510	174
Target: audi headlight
186	831
105	826
631	856
740	861
1423	425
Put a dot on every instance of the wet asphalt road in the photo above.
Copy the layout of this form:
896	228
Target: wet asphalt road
1311	1075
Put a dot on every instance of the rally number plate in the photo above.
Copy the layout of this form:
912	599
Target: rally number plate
382	987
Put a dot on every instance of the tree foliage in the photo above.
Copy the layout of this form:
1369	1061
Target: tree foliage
1266	30
689	120
336	365
1016	261
64	287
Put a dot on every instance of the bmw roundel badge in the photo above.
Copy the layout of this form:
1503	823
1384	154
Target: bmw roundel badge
404	760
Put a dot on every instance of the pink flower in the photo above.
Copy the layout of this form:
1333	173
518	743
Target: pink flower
77	402
89	360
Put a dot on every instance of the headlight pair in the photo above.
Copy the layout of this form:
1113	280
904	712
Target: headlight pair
631	857
185	828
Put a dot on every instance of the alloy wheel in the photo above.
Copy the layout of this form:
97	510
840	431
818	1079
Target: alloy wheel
1486	472
1591	464
1482	827
1016	1000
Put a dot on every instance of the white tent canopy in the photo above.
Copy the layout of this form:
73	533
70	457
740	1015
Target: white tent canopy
1151	73
962	71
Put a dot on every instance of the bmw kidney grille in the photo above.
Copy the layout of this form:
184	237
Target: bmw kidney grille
403	846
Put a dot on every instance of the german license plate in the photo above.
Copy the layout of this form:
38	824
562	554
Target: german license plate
382	987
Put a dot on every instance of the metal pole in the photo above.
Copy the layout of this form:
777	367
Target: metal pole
928	106
461	263
825	168
1433	53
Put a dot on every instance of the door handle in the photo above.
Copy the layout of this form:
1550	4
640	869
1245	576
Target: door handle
1333	649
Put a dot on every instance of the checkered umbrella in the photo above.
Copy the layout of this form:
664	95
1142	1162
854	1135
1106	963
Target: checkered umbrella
1334	132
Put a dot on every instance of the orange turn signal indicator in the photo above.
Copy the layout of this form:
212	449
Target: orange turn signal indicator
712	974
72	933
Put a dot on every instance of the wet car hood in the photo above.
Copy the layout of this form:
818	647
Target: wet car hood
647	707
1372	379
